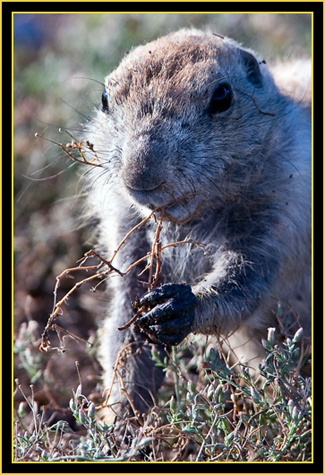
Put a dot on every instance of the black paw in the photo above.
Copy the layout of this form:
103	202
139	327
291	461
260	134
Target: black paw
168	313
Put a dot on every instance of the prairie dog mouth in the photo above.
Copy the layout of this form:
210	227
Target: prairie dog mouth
178	210
183	209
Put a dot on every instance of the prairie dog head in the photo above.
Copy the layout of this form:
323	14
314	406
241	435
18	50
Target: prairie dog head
182	120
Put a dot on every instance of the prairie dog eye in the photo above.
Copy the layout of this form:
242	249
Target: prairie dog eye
220	100
105	101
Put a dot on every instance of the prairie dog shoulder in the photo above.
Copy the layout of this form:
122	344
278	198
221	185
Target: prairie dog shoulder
293	78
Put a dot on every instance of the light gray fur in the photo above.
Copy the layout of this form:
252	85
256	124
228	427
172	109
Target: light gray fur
246	172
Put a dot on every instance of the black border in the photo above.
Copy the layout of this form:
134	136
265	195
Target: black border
196	7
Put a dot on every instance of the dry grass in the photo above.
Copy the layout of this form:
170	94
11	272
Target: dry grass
207	411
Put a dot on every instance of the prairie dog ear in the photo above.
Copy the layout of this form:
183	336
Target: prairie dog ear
253	71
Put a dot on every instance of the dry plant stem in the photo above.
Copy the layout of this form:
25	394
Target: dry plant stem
130	232
116	372
186	220
60	330
57	305
185	241
155	252
135	412
45	344
76	145
93	253
207	437
133	319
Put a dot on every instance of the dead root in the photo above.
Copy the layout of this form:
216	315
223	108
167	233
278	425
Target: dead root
102	270
80	146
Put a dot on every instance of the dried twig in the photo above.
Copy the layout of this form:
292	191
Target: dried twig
155	252
122	355
78	146
103	269
45	343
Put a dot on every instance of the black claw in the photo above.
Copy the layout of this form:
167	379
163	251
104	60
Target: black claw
171	313
164	292
170	340
167	312
181	326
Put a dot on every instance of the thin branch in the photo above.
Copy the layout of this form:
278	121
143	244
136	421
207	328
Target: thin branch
106	268
75	145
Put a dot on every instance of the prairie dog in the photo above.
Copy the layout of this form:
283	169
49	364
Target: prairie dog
195	124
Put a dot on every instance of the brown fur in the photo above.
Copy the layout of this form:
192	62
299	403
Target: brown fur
247	172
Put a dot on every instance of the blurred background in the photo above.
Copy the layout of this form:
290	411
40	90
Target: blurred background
60	61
